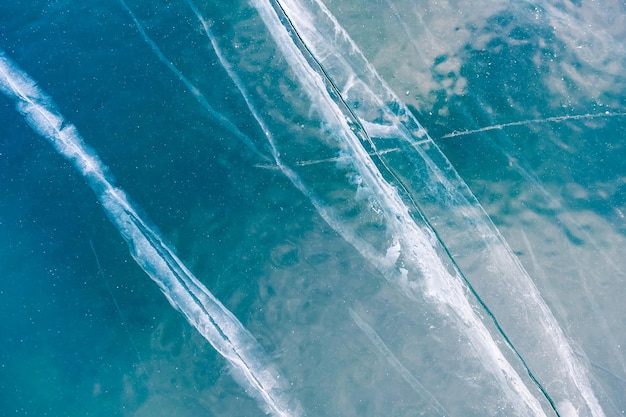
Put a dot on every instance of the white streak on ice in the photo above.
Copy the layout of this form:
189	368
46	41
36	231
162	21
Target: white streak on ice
417	244
223	120
524	291
325	212
395	363
554	119
182	289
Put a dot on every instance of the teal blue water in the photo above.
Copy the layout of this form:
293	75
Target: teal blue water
414	209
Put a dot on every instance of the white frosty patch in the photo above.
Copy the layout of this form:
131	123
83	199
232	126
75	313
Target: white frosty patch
392	254
566	409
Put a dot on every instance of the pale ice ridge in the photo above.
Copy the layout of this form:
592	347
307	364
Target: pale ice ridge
564	219
395	362
554	119
223	120
417	245
374	98
229	70
499	254
327	213
182	289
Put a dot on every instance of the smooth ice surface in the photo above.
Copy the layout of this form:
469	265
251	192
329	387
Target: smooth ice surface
360	208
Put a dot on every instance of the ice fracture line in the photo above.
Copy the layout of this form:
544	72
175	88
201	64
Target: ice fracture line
181	288
555	119
223	120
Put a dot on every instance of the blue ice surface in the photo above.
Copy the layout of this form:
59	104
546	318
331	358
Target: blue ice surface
301	200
